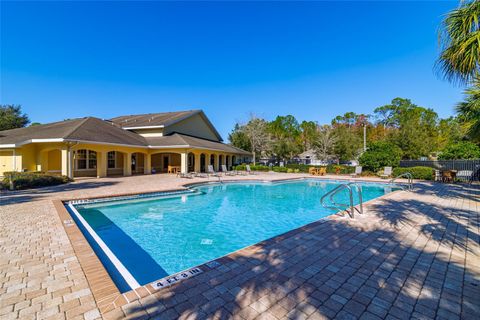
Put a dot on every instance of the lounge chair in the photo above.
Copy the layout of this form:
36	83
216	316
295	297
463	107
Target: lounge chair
226	172
200	175
358	171
387	172
188	175
212	172
465	175
249	171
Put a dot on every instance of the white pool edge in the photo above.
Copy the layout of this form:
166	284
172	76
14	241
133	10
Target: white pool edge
127	276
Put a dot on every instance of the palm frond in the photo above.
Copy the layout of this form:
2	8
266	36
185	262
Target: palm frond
460	43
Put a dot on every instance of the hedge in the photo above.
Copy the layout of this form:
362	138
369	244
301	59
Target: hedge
425	173
296	168
26	180
242	167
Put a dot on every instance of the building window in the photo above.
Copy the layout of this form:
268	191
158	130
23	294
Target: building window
111	156
85	159
81	156
92	159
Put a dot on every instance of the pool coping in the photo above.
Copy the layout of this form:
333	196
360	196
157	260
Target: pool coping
106	294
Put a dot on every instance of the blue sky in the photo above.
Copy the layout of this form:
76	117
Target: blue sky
314	60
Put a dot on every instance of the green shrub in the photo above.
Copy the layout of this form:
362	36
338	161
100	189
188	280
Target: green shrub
26	180
280	169
460	150
381	154
242	167
425	173
340	169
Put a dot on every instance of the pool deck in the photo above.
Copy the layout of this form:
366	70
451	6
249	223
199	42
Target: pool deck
411	255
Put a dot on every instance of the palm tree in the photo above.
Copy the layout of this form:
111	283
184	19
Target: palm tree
459	60
469	111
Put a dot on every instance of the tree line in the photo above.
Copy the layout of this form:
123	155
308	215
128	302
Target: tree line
416	131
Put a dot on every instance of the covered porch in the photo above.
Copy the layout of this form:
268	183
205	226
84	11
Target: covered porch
100	161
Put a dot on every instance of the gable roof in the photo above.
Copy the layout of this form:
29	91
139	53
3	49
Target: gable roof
82	129
160	120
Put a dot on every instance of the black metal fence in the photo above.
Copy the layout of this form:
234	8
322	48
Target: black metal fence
469	169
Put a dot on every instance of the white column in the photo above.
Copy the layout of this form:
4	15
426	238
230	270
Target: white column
184	162
67	162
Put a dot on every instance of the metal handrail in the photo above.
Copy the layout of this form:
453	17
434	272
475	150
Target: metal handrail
409	177
337	206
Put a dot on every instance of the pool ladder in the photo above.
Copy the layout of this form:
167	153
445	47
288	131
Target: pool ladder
334	205
407	175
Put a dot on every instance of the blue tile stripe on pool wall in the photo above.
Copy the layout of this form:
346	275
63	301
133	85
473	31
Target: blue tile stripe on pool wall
123	278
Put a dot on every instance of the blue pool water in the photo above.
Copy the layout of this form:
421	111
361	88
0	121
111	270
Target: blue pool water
157	237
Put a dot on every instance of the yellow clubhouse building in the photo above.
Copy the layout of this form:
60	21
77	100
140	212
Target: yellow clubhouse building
170	142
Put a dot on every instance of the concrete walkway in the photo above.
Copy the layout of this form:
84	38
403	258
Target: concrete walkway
412	255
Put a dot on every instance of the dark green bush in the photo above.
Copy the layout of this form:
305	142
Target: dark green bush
460	150
280	169
380	154
425	173
26	180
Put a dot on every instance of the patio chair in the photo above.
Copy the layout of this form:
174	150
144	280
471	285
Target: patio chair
212	172
437	176
226	172
358	171
387	172
465	175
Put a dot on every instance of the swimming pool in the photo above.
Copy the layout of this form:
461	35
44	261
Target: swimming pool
143	239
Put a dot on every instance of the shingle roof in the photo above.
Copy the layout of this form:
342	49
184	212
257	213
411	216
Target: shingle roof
152	119
83	129
92	129
96	130
44	131
185	141
163	119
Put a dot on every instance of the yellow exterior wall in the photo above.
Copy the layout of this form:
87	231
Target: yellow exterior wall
157	132
54	160
55	156
6	161
29	161
194	126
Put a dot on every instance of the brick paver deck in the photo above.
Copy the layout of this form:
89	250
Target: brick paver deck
411	255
